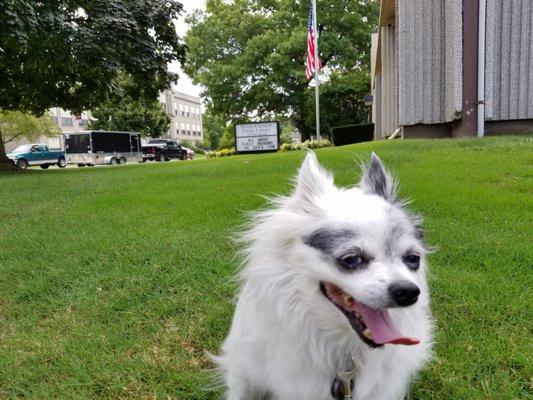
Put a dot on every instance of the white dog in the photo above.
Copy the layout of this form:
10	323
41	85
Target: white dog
334	302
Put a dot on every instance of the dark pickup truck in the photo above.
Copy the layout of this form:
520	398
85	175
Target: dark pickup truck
163	150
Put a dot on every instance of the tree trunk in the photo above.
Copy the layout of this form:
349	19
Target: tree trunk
5	163
302	127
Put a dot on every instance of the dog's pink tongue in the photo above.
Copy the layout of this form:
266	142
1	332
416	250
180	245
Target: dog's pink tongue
382	328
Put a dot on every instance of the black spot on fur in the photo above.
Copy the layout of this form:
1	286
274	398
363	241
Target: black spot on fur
376	180
327	240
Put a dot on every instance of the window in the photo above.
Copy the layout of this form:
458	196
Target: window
183	131
66	121
83	122
54	120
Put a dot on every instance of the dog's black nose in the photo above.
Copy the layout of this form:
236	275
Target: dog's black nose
404	293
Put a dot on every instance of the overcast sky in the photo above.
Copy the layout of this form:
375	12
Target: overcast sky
184	83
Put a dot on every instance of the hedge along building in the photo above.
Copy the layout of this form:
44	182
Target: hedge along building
425	68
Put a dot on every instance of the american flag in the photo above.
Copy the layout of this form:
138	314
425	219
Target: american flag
310	62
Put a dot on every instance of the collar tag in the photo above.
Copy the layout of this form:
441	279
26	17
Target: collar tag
341	389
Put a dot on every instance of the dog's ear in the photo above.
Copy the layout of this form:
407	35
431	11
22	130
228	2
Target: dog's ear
377	180
311	182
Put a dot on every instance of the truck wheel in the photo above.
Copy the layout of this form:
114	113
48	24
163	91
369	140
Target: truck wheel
61	163
81	165
114	161
44	166
161	157
22	164
122	160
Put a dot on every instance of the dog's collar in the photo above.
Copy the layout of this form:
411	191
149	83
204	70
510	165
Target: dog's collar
343	384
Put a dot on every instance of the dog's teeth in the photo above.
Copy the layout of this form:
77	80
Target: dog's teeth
367	334
347	298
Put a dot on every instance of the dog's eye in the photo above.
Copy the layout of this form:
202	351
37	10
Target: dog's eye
412	261
352	262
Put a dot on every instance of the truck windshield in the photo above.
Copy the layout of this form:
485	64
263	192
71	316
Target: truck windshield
25	148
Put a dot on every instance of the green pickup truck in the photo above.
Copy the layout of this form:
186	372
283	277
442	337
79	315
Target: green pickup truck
37	154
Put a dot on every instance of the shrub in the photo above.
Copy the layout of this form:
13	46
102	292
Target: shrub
221	153
285	147
308	144
341	135
315	144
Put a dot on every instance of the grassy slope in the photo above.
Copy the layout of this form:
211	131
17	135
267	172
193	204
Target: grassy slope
114	281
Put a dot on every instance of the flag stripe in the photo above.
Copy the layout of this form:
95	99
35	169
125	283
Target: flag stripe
311	56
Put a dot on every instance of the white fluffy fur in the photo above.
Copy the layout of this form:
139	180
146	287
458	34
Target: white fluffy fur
287	341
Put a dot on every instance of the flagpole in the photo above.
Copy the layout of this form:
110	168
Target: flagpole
317	66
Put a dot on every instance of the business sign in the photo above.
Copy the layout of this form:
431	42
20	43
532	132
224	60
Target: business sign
256	137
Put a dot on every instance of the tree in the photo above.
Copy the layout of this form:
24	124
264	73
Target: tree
344	93
227	141
15	125
69	53
148	117
250	54
213	127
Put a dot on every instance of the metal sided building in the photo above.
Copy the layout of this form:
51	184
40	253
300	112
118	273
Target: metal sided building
425	68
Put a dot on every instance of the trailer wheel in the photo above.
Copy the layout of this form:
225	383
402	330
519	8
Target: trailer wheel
114	161
61	163
22	164
44	166
122	160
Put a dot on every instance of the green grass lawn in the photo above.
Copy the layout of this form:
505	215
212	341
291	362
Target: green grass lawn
114	281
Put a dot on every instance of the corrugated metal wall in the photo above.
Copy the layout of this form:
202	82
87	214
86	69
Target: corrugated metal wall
509	60
377	110
388	95
430	60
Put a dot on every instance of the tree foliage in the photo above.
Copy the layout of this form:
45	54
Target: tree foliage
124	111
341	100
250	55
213	127
15	125
69	53
149	118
